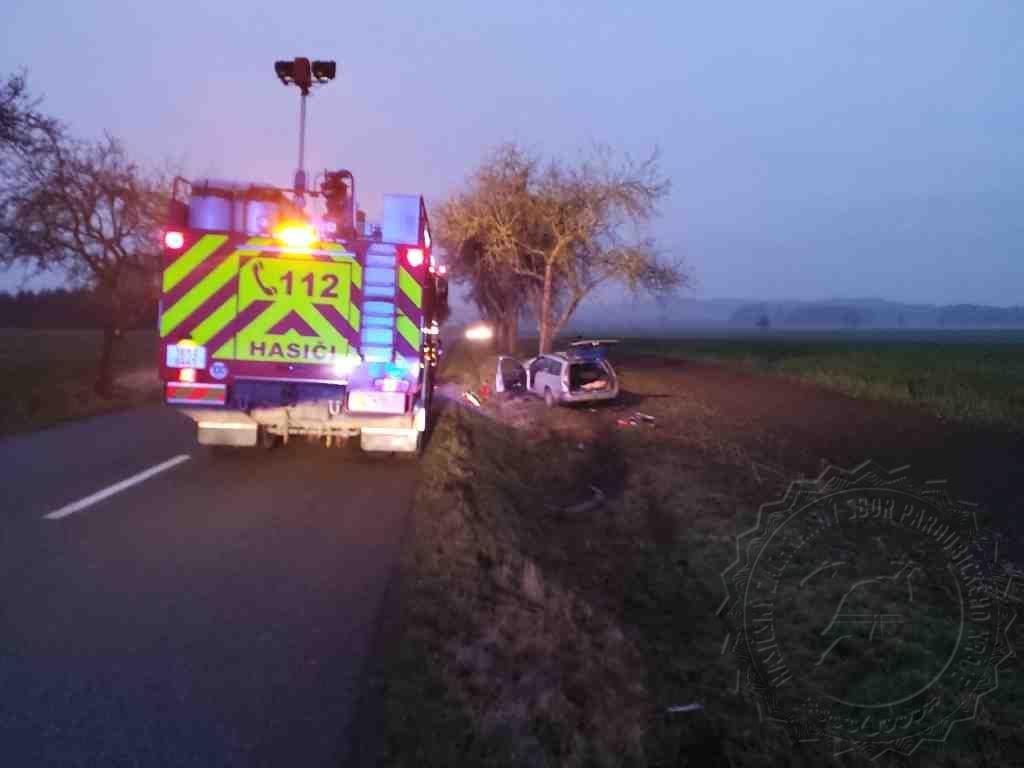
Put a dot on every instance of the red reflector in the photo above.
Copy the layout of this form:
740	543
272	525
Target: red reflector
196	394
174	240
414	256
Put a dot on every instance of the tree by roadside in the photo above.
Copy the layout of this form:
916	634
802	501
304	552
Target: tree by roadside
549	234
85	208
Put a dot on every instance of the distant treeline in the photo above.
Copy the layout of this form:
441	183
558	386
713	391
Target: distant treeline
876	315
60	309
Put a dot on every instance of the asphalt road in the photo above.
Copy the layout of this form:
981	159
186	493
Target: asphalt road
218	613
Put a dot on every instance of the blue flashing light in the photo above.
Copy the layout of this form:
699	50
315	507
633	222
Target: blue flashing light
377	354
373	335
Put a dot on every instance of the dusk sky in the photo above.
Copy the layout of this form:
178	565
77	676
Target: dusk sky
816	149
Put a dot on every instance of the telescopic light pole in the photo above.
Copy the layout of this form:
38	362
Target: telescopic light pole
300	174
300	72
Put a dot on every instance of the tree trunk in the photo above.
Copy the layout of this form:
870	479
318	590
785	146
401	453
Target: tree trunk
511	332
499	334
111	334
105	375
544	321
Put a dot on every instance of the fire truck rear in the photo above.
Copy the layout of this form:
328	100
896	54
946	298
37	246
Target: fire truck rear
277	320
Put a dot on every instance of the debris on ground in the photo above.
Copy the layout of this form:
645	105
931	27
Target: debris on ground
589	505
696	707
636	420
473	399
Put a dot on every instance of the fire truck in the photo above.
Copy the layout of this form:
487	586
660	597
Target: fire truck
277	319
284	312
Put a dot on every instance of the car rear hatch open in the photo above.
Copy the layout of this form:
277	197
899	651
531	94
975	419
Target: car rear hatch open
589	376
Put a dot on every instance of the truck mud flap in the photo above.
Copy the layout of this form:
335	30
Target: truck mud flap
373	439
225	428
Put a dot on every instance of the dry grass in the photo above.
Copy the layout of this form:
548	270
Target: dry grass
521	648
555	601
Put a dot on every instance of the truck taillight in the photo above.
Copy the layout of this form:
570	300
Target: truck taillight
415	257
174	239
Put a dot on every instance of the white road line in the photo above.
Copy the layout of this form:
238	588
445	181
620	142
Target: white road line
109	491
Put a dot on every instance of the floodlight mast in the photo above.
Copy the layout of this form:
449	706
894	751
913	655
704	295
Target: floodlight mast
302	73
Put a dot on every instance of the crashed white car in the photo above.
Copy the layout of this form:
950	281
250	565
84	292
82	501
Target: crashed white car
579	375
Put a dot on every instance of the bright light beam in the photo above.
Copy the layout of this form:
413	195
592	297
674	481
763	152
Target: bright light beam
480	332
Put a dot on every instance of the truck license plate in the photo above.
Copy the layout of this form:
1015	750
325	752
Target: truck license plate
179	356
369	401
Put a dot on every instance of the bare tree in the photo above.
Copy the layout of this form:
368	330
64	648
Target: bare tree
22	126
85	208
23	132
560	231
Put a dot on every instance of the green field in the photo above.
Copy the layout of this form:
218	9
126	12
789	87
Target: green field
974	379
49	375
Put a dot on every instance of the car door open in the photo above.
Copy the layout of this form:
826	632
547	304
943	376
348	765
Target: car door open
511	375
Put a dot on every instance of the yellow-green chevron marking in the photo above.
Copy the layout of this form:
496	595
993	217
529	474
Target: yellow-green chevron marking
410	287
200	292
191	259
409	331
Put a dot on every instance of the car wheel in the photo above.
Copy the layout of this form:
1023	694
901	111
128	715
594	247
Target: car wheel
267	441
549	398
